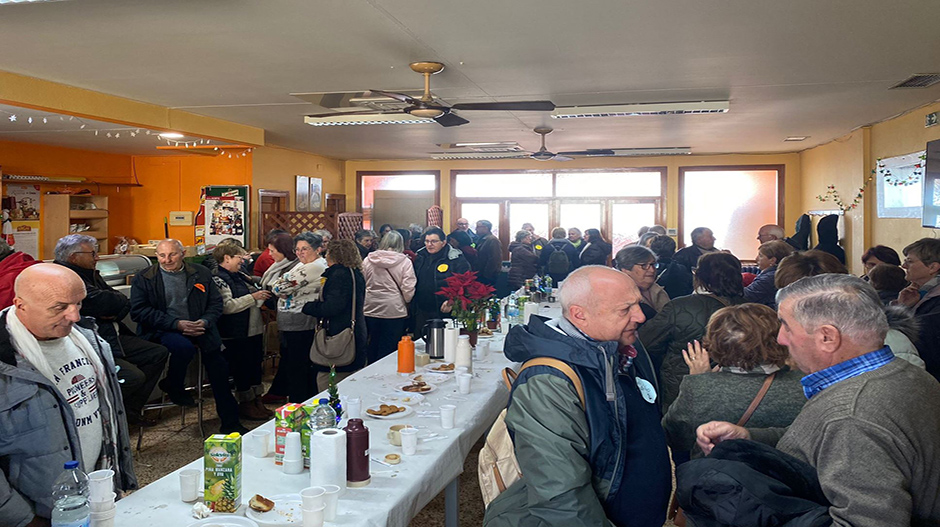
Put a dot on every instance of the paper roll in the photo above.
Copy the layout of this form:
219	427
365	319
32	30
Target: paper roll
328	458
531	308
450	344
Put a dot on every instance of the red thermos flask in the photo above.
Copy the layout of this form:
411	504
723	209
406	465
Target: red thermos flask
357	454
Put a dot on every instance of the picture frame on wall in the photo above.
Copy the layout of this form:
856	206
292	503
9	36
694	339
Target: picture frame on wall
316	195
302	187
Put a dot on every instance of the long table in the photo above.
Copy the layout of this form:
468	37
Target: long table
396	494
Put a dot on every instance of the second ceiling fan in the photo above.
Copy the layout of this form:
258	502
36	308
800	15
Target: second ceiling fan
429	108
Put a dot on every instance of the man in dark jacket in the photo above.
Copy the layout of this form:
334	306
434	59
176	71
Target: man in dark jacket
559	265
674	277
524	263
489	254
434	264
141	362
178	305
703	242
603	463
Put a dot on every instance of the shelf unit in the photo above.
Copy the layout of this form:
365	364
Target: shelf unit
60	211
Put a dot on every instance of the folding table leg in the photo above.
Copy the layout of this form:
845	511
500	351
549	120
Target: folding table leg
452	503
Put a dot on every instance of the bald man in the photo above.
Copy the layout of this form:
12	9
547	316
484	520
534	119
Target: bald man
769	233
59	396
586	466
178	305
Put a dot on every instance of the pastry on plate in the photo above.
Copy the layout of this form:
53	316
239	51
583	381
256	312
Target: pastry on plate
260	503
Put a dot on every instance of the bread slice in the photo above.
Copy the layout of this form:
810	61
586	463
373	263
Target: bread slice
260	503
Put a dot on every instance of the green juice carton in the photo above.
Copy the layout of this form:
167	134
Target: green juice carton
223	472
288	418
305	433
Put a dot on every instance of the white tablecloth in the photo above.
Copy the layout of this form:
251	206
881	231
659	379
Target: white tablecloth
397	493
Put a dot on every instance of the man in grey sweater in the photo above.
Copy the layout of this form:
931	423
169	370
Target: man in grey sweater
872	422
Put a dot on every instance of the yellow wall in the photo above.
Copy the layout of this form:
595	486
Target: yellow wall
791	161
275	168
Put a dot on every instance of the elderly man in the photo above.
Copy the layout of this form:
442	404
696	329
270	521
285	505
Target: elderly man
489	254
463	224
606	463
59	396
178	305
769	233
141	362
871	424
703	242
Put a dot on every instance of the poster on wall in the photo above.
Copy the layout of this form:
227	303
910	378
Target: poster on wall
316	194
302	188
225	213
21	218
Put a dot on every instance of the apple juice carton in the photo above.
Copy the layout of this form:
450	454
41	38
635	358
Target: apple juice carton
288	418
223	472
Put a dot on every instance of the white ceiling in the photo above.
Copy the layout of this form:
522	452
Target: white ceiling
801	67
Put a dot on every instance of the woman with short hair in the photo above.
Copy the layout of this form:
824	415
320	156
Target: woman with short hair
742	340
762	290
922	265
390	286
434	264
523	262
639	263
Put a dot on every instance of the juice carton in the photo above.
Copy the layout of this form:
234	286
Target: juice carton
223	471
288	418
305	433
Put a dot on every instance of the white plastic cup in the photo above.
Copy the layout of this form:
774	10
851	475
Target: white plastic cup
313	497
331	495
104	518
461	370
100	483
189	484
448	416
354	408
314	516
482	350
293	459
102	503
463	384
257	444
409	441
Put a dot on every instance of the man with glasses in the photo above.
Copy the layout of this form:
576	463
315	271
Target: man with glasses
463	224
141	362
434	263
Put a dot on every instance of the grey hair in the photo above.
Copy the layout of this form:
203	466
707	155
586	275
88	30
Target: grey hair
392	241
521	235
658	229
71	244
173	241
324	234
314	240
486	223
576	288
632	255
840	300
698	231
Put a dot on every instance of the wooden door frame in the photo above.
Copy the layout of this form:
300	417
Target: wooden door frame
269	193
781	180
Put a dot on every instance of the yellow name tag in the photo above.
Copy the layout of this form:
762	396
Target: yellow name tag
442	268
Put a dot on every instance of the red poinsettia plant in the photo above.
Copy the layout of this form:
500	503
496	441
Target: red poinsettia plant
470	298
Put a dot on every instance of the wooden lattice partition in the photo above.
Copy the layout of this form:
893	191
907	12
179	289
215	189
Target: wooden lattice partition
347	224
435	216
298	222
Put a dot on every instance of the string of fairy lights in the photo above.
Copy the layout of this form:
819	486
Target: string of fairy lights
170	138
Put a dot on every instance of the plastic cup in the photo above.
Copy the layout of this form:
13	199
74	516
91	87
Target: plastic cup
102	503
448	416
313	497
409	441
394	434
482	350
354	408
104	518
100	483
331	496
463	384
257	443
461	369
314	516
189	484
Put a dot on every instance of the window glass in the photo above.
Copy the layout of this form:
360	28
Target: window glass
481	211
519	185
627	220
534	213
616	184
371	183
581	215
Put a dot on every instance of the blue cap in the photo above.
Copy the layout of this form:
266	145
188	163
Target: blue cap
69	465
324	401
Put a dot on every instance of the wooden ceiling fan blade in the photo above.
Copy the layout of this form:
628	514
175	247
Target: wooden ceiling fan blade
511	106
451	119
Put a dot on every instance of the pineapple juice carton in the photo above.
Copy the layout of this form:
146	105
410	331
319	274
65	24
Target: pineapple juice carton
223	472
288	418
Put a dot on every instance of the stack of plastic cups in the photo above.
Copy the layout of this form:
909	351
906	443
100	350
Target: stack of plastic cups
101	498
313	505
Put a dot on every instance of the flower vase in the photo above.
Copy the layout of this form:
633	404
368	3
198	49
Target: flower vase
472	334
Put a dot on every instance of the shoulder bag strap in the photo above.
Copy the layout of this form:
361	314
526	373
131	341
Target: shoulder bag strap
390	275
757	399
562	367
352	318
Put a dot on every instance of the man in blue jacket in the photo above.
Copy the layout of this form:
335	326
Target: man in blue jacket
178	305
606	463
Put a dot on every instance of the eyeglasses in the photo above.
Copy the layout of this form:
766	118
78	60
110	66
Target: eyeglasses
303	249
427	241
462	224
646	266
93	253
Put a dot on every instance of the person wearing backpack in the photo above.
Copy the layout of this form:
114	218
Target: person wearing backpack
594	463
564	257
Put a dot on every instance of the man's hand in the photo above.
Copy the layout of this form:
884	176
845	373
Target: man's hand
190	328
909	296
713	432
262	295
39	522
696	357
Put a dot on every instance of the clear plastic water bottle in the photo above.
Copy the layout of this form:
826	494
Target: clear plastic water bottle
70	498
323	416
513	309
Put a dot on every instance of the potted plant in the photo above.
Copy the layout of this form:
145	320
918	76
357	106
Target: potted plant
469	299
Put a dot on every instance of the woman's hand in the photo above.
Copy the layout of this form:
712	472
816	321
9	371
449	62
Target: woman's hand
909	296
261	295
696	357
447	306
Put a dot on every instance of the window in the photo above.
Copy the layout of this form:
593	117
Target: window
610	184
520	185
734	202
900	186
369	182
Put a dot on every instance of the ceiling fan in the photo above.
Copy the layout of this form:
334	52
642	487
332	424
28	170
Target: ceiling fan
543	154
428	108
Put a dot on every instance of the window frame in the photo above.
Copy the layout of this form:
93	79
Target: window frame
361	173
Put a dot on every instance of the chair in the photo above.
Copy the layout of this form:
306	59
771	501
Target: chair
199	386
435	216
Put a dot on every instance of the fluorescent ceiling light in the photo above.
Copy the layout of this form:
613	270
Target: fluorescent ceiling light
630	110
477	155
25	1
797	138
349	120
662	151
171	135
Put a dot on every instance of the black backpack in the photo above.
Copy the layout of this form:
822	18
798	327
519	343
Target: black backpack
558	262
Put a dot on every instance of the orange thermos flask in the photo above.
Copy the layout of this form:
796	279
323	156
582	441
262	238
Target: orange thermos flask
406	355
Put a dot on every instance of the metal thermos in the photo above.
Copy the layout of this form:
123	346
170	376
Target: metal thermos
357	454
434	338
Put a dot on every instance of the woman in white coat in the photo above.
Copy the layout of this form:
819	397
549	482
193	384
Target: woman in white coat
390	285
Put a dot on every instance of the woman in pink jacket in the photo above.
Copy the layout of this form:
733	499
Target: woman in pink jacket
390	284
